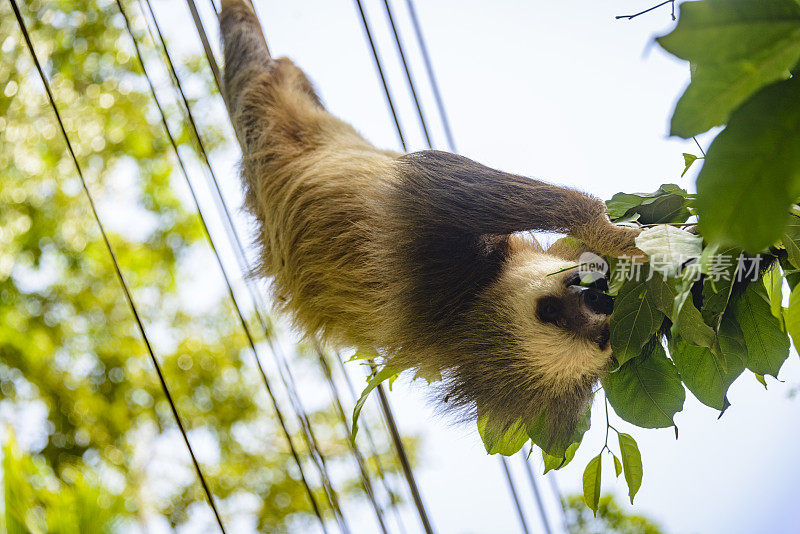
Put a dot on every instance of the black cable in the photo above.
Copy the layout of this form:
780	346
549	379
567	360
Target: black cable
204	154
557	491
409	77
379	68
403	457
120	276
241	257
431	76
522	521
537	494
452	146
198	23
259	304
370	439
174	75
353	448
283	367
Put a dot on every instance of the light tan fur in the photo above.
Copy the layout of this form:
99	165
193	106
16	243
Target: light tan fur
339	223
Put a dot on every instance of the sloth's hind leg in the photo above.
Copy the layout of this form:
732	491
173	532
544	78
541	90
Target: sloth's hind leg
275	110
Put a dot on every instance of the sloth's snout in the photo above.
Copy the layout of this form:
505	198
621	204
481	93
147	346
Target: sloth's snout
597	301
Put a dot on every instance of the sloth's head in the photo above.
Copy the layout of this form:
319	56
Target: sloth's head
560	328
543	337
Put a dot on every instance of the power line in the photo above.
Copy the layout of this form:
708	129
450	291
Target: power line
431	76
409	77
451	142
350	442
384	401
323	472
520	514
204	154
370	440
242	257
283	369
537	495
452	146
379	67
118	271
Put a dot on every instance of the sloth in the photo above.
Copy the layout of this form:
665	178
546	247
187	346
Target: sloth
423	255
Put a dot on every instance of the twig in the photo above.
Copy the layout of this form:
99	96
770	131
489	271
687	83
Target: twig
698	146
629	17
682	225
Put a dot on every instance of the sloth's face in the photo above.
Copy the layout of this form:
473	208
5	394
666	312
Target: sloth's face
562	327
583	311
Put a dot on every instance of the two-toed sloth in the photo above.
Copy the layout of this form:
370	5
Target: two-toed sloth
418	254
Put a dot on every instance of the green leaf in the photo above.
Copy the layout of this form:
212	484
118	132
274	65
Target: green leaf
761	379
767	344
591	483
671	298
688	159
557	462
646	391
364	354
793	315
617	465
752	171
631	463
736	47
428	376
666	204
634	321
701	370
718	285
790	273
773	283
791	240
557	446
506	443
387	373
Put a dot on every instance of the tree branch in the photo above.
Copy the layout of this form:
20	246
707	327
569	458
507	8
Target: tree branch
629	17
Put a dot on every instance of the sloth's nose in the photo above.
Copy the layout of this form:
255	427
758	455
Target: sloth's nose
598	302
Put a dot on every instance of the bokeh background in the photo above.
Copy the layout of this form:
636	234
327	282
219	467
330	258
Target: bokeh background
557	90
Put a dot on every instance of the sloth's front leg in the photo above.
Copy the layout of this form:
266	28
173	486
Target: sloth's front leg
452	191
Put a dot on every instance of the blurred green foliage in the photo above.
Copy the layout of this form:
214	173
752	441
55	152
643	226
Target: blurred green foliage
610	518
75	379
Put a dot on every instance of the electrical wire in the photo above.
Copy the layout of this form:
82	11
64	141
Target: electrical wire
452	146
283	369
537	494
242	255
513	490
117	269
409	78
240	315
379	68
426	58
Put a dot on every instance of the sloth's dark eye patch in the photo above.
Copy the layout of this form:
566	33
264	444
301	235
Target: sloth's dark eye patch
549	310
594	281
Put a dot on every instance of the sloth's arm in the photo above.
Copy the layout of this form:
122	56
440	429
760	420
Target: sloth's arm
453	191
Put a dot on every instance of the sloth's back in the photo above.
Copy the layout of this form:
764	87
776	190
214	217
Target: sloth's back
321	206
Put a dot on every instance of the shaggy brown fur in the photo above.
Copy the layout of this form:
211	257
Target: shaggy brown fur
416	254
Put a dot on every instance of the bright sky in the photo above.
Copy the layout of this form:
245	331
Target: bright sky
563	92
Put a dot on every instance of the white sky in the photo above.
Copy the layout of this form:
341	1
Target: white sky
563	92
